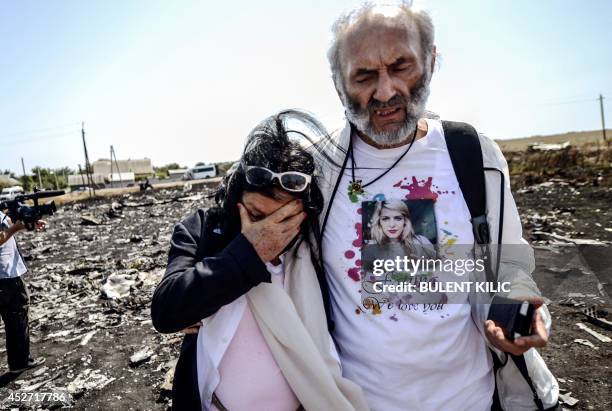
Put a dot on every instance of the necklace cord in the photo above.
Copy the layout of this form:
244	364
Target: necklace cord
388	169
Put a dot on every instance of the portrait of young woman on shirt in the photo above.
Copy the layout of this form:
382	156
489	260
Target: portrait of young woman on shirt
392	234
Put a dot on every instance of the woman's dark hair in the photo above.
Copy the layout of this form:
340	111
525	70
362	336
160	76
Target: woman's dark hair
279	146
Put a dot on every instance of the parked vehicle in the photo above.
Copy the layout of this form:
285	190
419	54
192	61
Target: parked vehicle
199	172
10	193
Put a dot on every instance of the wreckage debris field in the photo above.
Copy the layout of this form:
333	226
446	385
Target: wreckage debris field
564	200
93	271
91	277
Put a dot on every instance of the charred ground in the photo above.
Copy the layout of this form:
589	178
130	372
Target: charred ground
105	351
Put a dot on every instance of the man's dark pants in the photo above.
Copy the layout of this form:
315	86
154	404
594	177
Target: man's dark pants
14	304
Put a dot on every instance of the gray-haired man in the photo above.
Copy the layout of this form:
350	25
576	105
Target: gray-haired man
411	356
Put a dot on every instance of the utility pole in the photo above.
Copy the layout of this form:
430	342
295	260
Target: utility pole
87	165
113	154
40	186
112	180
56	182
24	174
81	174
603	120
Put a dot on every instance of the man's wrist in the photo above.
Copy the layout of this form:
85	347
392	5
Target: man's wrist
17	227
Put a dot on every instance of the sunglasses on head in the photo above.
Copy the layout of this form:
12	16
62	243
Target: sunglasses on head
292	181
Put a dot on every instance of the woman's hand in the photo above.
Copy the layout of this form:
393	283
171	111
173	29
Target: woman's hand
270	235
192	329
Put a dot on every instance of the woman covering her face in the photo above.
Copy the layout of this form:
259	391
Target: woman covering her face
257	336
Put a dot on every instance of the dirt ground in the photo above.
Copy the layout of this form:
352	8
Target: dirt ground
583	271
68	266
87	336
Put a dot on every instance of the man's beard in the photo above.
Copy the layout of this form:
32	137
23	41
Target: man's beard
415	107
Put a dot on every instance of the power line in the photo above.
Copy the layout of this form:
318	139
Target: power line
17	133
567	98
582	100
40	138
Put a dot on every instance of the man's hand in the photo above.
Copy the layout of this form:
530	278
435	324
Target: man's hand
40	225
271	235
538	338
192	329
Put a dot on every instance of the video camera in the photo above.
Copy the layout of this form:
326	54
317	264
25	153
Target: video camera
19	211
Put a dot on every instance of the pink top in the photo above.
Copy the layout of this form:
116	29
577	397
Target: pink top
250	377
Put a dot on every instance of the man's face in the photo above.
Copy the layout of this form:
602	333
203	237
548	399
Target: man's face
385	80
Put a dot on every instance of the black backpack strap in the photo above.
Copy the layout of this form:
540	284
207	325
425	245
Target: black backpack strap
519	361
497	364
466	156
465	153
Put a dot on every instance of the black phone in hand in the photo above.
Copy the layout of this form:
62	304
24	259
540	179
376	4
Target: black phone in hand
514	316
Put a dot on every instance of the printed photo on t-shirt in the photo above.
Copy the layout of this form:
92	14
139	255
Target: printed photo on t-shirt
399	237
410	222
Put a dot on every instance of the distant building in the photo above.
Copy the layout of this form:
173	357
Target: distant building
76	181
80	180
7	181
122	178
141	168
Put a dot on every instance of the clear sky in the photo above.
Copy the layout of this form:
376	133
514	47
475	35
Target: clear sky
184	81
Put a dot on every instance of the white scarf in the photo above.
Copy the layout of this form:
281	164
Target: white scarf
293	323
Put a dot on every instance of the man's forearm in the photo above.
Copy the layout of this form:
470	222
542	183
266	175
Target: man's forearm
8	233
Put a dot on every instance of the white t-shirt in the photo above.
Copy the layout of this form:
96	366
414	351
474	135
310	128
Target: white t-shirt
250	377
405	356
11	263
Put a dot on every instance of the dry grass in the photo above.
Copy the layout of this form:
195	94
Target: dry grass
588	163
591	139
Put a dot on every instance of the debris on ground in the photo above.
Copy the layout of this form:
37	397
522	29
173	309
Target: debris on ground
141	356
570	301
548	147
597	316
90	220
88	379
586	342
600	337
91	281
91	277
117	286
567	399
165	391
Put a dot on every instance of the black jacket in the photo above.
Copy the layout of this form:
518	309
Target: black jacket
205	272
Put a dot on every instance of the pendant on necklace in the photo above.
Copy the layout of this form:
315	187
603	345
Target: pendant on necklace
355	190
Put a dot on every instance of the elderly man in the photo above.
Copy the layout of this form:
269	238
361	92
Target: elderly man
413	356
